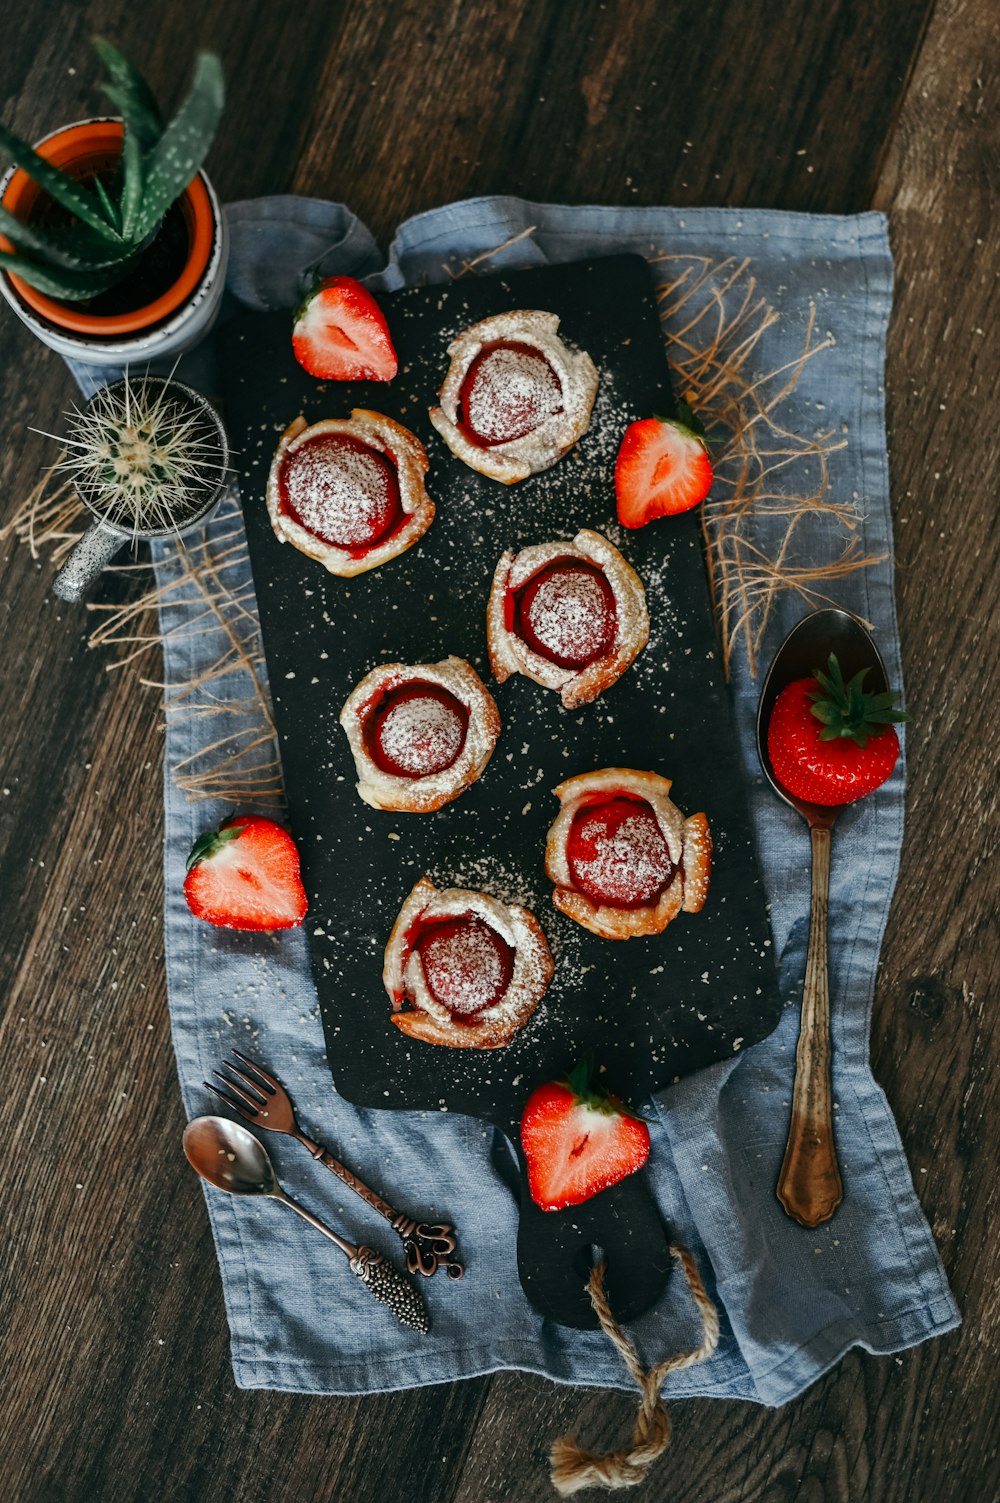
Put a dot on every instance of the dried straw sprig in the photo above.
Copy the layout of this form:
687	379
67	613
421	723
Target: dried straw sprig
714	319
486	256
209	587
51	516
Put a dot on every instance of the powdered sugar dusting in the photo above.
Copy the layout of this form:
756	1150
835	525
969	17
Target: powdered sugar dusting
341	490
571	614
467	965
421	735
507	393
488	871
619	860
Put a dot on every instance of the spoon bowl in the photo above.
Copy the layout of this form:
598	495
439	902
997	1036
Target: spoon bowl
229	1157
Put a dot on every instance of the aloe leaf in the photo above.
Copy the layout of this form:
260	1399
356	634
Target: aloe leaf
130	92
73	196
24	238
178	155
133	179
110	212
72	286
74	247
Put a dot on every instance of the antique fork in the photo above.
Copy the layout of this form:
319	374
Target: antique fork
262	1099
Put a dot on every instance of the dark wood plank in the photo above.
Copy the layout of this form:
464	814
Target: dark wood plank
642	103
935	1038
393	109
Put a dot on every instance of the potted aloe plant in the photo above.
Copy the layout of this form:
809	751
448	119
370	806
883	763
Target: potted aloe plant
112	242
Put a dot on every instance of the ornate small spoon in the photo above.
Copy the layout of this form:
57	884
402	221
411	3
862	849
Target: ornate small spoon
809	1185
231	1159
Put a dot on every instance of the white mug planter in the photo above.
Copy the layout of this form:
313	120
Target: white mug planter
178	319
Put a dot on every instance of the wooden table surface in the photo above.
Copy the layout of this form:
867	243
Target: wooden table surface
115	1360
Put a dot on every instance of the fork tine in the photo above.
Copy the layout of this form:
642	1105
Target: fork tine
236	1106
268	1081
249	1080
251	1101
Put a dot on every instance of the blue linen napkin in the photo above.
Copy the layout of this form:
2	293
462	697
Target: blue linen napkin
793	1301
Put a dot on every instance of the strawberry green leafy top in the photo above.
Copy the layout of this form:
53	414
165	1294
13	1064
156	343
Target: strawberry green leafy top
846	709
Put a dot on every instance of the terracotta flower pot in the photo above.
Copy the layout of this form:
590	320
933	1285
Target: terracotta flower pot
166	318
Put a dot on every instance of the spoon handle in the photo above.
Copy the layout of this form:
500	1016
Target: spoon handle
809	1185
347	1248
383	1282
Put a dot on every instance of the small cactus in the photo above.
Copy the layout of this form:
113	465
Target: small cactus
145	454
111	225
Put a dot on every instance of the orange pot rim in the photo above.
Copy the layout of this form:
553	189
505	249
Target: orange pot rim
89	138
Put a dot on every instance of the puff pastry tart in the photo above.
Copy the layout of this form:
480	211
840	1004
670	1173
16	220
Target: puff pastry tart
624	859
463	969
349	491
515	397
420	734
571	616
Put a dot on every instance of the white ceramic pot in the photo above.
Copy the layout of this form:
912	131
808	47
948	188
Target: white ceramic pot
180	331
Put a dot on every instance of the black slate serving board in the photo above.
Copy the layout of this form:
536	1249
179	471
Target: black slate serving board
651	1010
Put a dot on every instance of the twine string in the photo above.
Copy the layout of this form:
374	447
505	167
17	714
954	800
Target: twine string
574	1468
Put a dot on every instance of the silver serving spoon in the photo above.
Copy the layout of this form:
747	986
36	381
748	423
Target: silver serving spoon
809	1185
231	1159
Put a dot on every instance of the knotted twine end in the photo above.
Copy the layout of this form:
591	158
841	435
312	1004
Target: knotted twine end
573	1468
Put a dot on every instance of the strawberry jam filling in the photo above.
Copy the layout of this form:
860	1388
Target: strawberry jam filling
566	613
509	389
467	965
342	491
416	730
617	854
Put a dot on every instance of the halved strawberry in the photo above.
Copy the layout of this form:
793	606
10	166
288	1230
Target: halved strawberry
663	467
340	334
578	1140
245	875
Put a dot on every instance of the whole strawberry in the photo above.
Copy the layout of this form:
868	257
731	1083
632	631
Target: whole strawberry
578	1140
831	742
663	467
245	875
